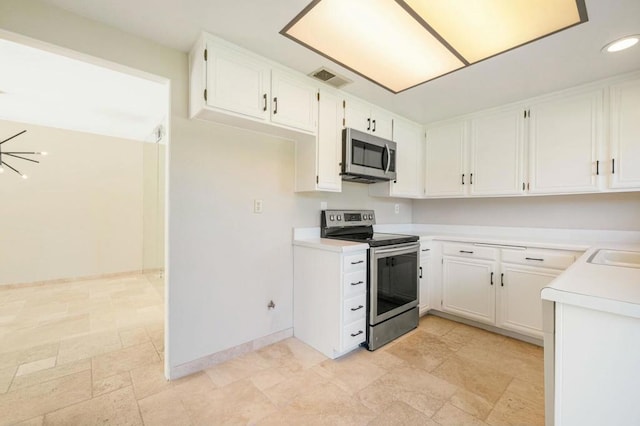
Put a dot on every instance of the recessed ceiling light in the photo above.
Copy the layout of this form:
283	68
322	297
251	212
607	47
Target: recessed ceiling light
400	44
622	43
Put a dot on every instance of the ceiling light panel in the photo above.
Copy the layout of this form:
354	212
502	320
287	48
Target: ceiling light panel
377	39
480	29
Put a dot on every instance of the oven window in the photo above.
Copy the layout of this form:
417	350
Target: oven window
397	281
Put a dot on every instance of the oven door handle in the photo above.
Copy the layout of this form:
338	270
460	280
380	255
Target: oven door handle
397	247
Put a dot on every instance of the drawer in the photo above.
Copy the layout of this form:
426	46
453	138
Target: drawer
469	250
355	261
354	283
555	259
354	309
354	334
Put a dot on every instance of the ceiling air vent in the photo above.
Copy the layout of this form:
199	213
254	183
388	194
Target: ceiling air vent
330	77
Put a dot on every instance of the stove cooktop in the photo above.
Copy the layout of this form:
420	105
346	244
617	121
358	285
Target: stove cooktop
378	239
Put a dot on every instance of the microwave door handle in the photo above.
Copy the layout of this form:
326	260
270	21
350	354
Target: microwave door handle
386	169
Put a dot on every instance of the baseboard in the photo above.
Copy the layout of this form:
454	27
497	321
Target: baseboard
83	278
216	358
512	334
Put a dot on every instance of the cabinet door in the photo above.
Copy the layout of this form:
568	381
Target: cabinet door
467	288
564	138
382	124
237	82
424	303
444	160
519	302
624	165
293	102
357	115
409	178
329	142
497	153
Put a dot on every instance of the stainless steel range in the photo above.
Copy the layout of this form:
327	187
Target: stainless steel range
392	273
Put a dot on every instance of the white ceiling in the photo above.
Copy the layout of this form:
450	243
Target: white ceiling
566	59
51	90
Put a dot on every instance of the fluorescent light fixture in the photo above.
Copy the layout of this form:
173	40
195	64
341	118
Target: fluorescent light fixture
401	44
622	43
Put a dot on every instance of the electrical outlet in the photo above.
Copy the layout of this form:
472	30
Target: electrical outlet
397	208
257	206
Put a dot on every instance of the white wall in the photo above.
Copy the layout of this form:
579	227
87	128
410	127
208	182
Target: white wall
225	263
80	211
618	211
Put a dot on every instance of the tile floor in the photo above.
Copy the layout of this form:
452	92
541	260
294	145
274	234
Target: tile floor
90	352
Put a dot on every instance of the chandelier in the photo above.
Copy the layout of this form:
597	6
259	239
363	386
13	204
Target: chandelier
16	154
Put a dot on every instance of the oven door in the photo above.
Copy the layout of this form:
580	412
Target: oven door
393	280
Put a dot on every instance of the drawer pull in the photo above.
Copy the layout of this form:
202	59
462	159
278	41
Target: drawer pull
466	251
358	283
534	258
359	261
357	334
359	307
426	249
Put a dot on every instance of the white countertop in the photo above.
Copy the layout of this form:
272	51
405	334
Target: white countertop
606	288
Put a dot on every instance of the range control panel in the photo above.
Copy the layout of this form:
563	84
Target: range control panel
347	218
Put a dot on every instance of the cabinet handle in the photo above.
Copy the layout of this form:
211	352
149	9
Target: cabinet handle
426	249
368	124
264	97
463	178
523	186
359	261
275	102
420	276
597	167
471	179
613	166
359	307
492	278
466	251
357	334
501	280
534	258
374	126
358	283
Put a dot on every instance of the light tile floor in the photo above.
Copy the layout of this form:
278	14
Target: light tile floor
90	352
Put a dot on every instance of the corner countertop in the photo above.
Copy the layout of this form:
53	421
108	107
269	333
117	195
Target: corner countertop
607	288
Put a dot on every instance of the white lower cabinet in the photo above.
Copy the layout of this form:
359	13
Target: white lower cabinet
468	286
500	287
329	299
425	298
520	303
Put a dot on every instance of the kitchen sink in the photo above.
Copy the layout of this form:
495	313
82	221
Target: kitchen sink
628	259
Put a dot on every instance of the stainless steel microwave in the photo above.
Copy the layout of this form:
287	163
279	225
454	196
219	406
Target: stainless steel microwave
367	158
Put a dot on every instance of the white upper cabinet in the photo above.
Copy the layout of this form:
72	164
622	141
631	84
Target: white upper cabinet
366	118
329	141
445	151
233	86
623	165
564	142
497	153
409	138
293	101
317	161
237	83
